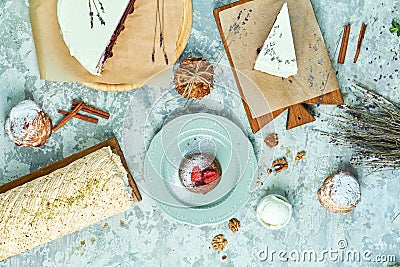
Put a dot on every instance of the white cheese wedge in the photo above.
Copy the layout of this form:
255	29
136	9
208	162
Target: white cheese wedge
277	56
88	37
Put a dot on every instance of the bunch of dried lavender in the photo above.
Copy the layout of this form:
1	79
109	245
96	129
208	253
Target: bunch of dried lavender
102	22
371	128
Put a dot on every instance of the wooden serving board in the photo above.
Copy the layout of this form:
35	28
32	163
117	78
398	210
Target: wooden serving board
297	114
113	143
183	38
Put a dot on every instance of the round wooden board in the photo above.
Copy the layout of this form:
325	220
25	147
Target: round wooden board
183	38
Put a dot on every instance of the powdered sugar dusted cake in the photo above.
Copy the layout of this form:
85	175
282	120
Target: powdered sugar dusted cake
91	27
340	193
200	172
86	191
28	125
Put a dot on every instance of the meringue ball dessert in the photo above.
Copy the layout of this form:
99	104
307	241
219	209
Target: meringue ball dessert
200	172
340	192
28	125
274	211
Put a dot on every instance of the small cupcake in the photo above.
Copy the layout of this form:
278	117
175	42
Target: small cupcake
194	78
340	193
27	125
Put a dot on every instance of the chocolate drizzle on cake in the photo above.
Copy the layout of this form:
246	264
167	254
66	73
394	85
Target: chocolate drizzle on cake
90	40
108	52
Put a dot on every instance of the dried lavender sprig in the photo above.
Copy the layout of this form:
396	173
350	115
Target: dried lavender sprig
375	95
102	22
153	55
371	128
101	6
91	15
395	217
166	57
379	133
374	122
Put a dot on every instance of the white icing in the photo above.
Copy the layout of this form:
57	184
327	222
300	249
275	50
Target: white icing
274	211
277	56
86	191
88	44
344	190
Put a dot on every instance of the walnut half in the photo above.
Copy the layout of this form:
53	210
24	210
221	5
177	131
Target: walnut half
219	242
234	225
280	165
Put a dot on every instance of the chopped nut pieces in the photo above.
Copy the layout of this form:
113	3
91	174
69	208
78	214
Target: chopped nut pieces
219	242
224	257
300	155
259	182
234	225
272	140
280	165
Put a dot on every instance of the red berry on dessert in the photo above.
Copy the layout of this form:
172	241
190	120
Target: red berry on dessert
197	174
210	176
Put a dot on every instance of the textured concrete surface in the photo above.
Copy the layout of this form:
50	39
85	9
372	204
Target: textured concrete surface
144	236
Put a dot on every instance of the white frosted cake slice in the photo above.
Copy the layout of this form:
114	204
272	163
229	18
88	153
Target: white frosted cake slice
90	28
277	56
84	192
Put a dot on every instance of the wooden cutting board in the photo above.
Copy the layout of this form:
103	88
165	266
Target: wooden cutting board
183	37
112	143
297	114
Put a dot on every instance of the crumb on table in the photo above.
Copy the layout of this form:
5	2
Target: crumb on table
300	155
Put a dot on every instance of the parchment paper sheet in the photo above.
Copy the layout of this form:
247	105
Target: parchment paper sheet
131	61
246	27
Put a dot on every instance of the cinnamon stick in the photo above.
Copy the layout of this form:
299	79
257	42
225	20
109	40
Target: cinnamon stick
92	110
68	117
360	39
79	116
345	41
